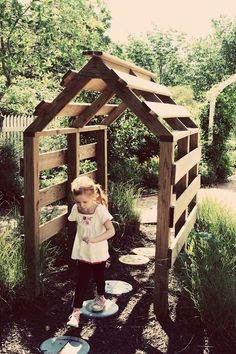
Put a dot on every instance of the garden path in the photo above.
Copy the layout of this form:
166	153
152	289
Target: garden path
223	192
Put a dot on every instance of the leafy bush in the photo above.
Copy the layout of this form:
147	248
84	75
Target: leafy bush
150	172
209	266
122	206
10	183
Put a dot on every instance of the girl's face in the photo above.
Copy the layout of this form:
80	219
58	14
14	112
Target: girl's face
84	201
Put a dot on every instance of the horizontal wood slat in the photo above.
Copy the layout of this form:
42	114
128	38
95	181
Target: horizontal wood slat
91	174
134	82
58	158
120	62
180	239
74	109
52	159
183	201
183	165
52	227
52	194
87	151
165	110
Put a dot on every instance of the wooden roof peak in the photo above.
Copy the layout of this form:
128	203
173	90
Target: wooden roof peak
119	62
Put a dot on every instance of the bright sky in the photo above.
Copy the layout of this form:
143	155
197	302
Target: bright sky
190	16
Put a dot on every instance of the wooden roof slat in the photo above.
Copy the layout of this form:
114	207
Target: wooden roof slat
137	83
92	110
165	110
117	61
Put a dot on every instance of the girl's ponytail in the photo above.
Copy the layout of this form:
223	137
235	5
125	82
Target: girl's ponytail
101	197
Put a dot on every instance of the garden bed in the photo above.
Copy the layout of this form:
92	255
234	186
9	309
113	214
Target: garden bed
134	329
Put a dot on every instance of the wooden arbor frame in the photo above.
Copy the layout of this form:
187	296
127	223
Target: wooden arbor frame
178	167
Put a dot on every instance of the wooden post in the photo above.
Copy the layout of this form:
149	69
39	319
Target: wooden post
73	171
163	229
101	157
31	213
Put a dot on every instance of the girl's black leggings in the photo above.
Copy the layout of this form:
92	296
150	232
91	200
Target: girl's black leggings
84	271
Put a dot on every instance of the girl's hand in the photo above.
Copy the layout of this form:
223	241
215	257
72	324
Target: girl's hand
88	239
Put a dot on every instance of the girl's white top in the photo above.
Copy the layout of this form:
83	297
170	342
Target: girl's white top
91	225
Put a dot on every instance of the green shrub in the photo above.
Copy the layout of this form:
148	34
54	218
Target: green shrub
123	207
10	182
209	266
150	172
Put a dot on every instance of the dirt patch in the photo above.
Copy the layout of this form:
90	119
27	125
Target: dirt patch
134	329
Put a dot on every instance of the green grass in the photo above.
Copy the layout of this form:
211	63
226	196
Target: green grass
209	266
123	207
12	266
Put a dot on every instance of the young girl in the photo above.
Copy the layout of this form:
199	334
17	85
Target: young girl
90	247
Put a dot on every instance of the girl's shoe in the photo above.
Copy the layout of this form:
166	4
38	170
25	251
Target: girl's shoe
99	303
74	319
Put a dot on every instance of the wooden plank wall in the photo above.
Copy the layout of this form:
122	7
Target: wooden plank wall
36	198
179	183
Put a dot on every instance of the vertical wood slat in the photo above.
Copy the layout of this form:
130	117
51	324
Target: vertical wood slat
163	230
101	157
31	212
183	149
73	171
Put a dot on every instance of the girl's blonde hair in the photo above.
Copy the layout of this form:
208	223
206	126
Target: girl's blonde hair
84	184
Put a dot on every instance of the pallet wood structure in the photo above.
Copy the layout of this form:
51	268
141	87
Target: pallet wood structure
179	180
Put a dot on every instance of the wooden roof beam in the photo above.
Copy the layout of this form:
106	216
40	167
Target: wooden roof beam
115	114
141	111
110	59
92	110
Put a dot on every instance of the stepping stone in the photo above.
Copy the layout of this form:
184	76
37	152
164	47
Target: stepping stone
110	309
145	251
64	345
132	259
117	287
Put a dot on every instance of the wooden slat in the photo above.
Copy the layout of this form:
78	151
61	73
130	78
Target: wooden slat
52	227
91	174
188	122
51	132
87	151
74	109
52	194
181	238
101	158
115	114
175	124
120	62
31	213
92	128
133	102
53	159
134	82
56	106
183	165
163	230
183	201
165	110
91	111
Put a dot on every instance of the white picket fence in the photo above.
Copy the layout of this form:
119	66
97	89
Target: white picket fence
12	129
